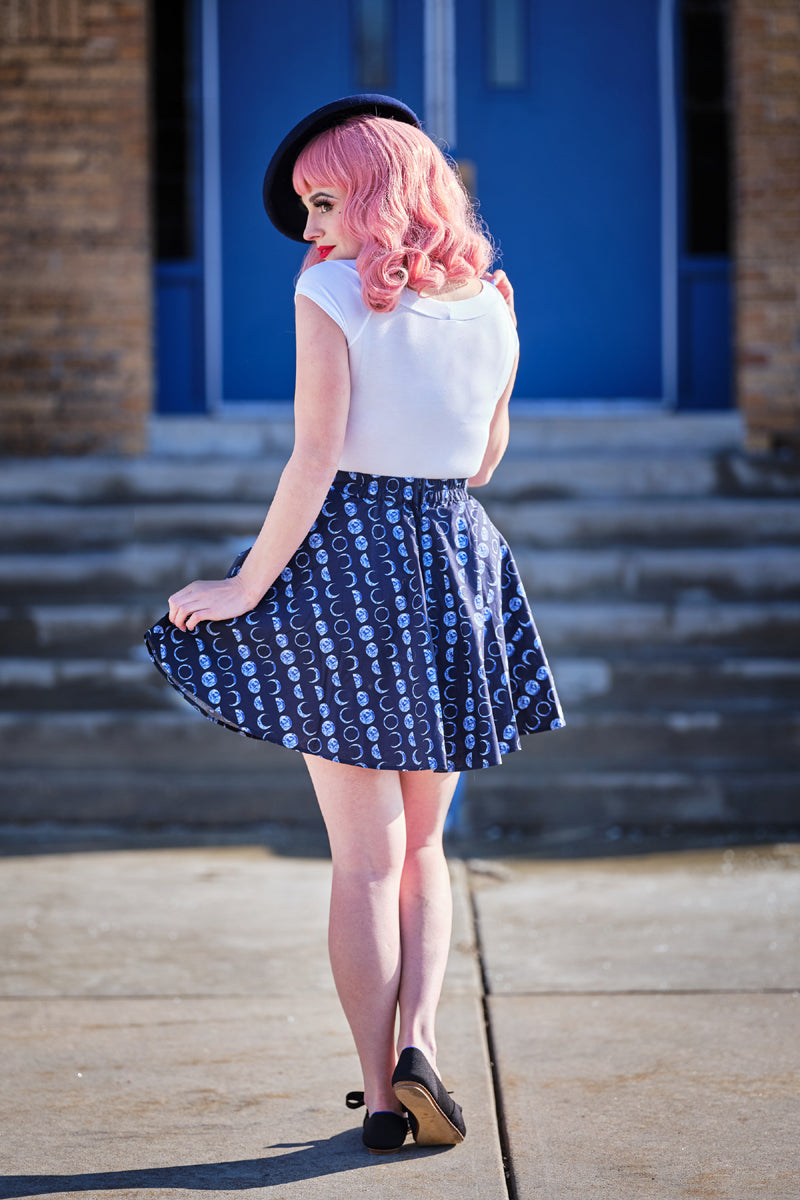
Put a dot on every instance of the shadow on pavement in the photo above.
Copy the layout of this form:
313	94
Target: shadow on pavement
302	1160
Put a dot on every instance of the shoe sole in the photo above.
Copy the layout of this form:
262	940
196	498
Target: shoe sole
434	1128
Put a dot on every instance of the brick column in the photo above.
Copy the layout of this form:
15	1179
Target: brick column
766	58
75	296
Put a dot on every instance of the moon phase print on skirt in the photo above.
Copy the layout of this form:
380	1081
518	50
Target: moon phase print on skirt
399	637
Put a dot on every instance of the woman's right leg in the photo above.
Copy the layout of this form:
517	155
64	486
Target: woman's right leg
363	813
426	907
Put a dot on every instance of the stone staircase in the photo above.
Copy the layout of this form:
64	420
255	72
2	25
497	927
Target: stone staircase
663	565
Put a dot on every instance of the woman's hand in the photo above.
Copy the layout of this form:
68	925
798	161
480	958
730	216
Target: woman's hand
503	285
209	600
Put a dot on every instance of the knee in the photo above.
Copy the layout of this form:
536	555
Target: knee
368	863
423	855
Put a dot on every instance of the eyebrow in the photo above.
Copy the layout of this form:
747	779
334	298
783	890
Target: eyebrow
316	195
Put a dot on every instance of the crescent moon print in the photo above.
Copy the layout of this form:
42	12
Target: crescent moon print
449	673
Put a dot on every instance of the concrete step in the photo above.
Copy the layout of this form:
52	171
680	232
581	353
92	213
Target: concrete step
522	475
521	798
634	683
762	629
150	571
524	798
592	428
601	521
702	684
765	572
680	740
651	522
83	685
179	794
75	527
576	627
651	471
141	480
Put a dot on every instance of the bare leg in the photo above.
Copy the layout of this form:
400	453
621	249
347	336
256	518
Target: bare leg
363	813
426	907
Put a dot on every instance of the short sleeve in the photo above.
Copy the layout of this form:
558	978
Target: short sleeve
510	347
336	288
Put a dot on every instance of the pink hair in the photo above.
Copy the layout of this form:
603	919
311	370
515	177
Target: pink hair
403	201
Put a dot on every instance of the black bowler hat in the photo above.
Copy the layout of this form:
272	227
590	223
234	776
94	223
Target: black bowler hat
281	201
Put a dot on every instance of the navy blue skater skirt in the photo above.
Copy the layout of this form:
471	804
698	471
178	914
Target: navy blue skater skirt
398	637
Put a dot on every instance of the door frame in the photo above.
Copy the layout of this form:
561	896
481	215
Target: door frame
670	202
212	206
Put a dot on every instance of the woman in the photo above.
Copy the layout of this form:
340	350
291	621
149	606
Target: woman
378	624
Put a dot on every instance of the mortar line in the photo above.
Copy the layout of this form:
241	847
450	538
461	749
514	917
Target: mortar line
500	1115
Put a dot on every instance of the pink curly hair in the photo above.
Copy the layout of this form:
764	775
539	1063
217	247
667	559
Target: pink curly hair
403	201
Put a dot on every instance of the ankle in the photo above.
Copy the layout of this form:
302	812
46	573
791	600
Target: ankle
381	1100
426	1045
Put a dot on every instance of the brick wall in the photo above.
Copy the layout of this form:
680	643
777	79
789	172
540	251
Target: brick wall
75	301
766	55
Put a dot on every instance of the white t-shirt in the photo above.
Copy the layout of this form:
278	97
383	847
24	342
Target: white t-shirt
425	379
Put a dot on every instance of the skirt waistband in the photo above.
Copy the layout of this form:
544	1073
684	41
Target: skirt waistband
402	489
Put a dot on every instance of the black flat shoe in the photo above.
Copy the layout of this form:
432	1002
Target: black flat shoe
383	1132
436	1119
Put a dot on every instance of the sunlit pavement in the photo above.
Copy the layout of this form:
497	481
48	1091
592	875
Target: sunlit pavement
171	1026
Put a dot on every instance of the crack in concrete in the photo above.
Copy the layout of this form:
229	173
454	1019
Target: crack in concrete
505	1147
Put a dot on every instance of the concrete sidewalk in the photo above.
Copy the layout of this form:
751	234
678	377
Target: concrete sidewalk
171	1028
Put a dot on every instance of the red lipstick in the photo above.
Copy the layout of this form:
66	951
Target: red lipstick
324	251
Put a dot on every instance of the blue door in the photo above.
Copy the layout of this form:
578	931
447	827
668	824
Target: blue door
559	111
556	124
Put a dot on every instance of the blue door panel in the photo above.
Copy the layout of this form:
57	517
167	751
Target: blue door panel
179	338
705	335
568	176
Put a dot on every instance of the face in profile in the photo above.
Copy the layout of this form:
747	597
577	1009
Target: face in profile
324	224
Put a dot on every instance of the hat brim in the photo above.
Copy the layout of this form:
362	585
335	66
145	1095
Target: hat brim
284	207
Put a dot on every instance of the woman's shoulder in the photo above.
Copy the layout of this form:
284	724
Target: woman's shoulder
337	273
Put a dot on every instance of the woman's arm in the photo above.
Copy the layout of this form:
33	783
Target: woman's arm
503	285
322	400
499	428
498	434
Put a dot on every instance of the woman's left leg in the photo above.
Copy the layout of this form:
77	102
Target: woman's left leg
363	813
426	907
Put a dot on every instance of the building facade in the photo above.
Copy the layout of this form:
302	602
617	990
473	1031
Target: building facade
638	164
